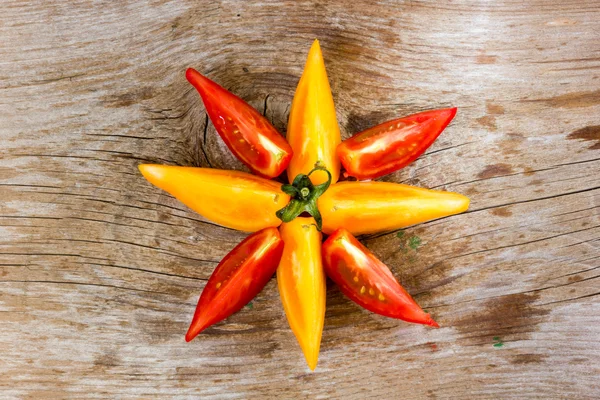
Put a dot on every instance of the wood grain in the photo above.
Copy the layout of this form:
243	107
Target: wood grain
100	272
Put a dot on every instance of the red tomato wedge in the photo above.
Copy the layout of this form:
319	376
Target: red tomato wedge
392	145
238	278
367	281
249	135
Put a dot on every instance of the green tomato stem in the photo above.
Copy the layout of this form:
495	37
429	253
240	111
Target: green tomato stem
304	197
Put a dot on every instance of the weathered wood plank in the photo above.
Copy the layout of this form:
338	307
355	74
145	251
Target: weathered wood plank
100	272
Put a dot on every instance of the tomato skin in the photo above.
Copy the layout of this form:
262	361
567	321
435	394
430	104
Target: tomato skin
371	207
249	135
238	278
392	145
301	282
233	199
367	281
313	130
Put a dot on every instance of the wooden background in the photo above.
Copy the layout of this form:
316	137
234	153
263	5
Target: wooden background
100	272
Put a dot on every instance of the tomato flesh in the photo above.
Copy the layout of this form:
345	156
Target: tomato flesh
238	278
367	281
392	145
249	135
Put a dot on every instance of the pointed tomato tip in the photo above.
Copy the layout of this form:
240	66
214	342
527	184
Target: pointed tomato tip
199	81
314	54
146	169
310	350
152	171
456	203
192	74
427	320
312	361
464	203
448	114
192	332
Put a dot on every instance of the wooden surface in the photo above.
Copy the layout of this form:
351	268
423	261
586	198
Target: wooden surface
100	271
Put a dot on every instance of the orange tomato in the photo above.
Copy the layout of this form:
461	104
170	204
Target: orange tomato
370	207
233	199
313	130
301	281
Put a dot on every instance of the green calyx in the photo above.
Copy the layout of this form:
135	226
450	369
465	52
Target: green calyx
304	197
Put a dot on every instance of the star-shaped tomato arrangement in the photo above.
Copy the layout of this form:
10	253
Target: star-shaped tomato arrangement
289	220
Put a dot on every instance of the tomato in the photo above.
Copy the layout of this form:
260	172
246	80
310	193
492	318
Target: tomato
370	207
392	145
238	278
248	134
313	130
233	199
367	281
301	282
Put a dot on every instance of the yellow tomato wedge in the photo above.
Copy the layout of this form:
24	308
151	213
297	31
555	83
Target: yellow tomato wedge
232	199
301	281
313	130
370	207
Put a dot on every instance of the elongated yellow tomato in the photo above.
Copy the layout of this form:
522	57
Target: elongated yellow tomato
369	207
301	281
313	130
232	199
